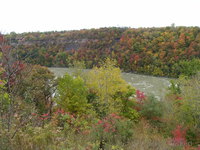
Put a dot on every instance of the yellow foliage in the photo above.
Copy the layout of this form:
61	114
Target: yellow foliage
106	81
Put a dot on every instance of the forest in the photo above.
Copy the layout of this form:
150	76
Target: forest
98	110
168	51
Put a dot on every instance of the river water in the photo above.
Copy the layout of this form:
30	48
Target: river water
148	84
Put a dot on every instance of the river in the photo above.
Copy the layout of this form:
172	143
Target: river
147	84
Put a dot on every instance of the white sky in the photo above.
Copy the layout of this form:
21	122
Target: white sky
51	15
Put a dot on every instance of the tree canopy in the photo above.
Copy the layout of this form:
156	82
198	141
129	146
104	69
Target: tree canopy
155	51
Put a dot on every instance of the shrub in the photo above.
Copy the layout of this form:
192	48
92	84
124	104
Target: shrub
146	137
184	107
179	135
112	130
72	95
189	68
152	109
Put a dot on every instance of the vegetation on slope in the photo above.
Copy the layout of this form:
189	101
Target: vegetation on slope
154	51
93	110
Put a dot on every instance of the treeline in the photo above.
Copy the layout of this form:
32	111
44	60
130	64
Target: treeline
168	51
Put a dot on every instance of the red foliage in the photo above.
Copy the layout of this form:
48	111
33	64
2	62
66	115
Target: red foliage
140	95
41	117
108	123
136	58
179	98
115	116
1	38
60	111
44	117
34	114
120	60
179	136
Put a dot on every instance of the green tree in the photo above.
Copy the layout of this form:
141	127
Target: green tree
189	68
72	95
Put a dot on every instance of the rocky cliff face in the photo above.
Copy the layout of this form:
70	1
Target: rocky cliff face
68	40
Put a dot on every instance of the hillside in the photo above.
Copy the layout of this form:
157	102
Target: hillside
97	108
154	51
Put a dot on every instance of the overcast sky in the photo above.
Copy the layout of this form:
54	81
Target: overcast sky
56	15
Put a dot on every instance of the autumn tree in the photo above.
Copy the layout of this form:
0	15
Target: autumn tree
104	82
38	88
14	112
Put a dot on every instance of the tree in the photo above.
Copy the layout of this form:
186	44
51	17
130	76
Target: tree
12	69
4	98
105	82
72	95
14	112
38	88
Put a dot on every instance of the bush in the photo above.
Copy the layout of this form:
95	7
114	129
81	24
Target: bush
184	107
112	130
152	109
146	137
72	95
189	68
